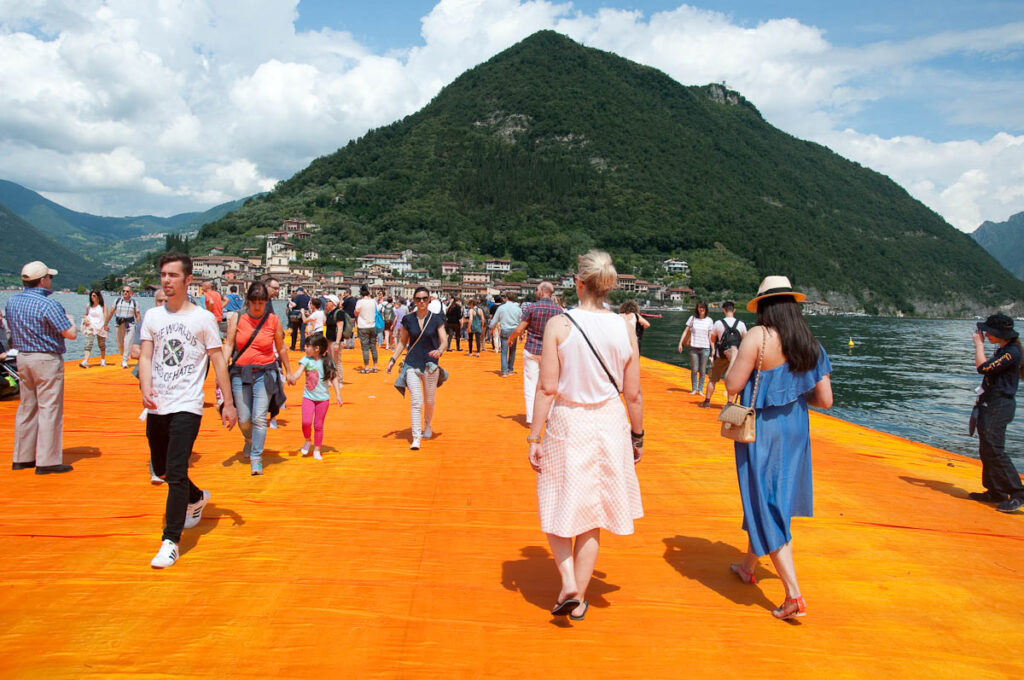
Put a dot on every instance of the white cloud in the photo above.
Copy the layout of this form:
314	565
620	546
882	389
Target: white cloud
167	105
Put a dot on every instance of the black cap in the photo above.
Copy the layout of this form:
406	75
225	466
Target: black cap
998	325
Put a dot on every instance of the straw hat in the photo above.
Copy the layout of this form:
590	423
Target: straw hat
771	287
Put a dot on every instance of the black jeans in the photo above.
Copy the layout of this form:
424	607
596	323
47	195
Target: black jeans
997	471
479	341
170	446
298	329
454	331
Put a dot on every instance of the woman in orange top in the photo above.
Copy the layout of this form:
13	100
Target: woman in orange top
254	376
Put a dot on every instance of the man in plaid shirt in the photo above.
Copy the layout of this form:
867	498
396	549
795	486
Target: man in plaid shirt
535	318
38	329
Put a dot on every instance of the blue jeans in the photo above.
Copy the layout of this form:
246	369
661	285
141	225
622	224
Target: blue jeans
508	353
251	402
698	367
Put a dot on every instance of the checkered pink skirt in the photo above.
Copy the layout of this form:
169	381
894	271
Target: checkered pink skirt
587	478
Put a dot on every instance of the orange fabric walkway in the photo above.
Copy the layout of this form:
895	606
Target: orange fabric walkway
385	562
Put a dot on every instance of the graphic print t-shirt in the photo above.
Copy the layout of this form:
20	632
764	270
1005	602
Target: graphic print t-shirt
180	345
316	386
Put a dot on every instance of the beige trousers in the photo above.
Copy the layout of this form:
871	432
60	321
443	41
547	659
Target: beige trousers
39	425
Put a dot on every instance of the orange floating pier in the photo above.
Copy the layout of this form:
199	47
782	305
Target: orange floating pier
381	562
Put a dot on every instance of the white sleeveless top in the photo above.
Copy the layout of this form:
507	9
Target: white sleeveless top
95	315
582	380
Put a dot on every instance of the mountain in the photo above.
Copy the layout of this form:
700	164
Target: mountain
23	243
114	240
1005	242
550	148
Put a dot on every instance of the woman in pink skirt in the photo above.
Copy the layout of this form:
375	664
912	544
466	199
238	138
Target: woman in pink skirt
586	479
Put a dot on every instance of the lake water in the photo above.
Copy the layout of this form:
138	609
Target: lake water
910	377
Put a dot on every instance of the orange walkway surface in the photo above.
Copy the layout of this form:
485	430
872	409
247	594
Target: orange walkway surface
385	562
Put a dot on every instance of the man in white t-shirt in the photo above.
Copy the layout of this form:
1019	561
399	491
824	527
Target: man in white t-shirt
178	339
725	342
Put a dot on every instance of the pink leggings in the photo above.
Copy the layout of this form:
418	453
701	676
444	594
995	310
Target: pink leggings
313	415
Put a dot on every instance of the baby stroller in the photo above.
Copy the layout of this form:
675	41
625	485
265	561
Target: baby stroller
9	375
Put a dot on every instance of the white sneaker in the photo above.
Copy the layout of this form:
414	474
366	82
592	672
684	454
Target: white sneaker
155	479
305	449
415	446
194	511
273	424
316	455
428	433
84	364
103	362
124	364
166	556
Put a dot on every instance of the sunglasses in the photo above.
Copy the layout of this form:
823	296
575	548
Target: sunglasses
420	298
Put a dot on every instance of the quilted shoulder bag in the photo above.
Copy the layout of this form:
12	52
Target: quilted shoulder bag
738	422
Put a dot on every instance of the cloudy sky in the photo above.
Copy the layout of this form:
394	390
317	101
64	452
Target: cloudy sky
123	107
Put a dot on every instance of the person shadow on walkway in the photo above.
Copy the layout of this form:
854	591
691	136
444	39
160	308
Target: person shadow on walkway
700	560
74	454
945	487
535	577
212	514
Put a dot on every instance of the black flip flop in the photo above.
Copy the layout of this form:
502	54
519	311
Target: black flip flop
565	606
586	606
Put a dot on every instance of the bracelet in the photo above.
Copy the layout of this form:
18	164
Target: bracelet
533	439
635	435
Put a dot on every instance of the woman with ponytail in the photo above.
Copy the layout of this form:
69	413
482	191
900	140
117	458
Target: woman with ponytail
585	441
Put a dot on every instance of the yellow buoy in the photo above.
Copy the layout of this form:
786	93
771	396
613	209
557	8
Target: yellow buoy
850	343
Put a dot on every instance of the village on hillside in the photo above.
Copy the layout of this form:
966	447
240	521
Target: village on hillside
285	257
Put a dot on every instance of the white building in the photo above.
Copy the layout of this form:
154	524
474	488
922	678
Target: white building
674	266
498	266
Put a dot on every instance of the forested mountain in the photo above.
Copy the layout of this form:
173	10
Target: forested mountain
1005	242
114	240
22	242
550	148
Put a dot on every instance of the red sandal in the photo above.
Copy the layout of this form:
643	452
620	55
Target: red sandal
791	608
743	574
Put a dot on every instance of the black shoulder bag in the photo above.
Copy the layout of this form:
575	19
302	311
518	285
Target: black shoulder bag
591	346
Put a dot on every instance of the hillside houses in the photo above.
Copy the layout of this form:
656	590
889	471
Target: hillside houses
294	263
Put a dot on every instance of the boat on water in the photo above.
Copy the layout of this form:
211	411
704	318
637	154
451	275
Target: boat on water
383	562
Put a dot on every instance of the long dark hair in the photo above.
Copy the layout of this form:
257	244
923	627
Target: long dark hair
799	346
697	307
98	294
320	342
1016	341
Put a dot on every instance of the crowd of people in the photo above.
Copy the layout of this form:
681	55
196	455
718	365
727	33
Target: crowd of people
581	389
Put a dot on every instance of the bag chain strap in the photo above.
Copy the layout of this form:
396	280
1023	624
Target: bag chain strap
760	360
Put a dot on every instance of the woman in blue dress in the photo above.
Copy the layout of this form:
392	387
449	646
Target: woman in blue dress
774	471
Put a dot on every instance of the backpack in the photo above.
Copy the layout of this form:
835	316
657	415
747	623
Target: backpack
389	314
378	320
731	337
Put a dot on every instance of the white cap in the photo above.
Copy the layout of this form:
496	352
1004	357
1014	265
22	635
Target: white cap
36	270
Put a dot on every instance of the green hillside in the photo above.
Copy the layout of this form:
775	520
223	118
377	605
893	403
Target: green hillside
550	148
23	243
1005	242
117	241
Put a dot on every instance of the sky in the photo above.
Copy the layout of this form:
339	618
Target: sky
131	107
